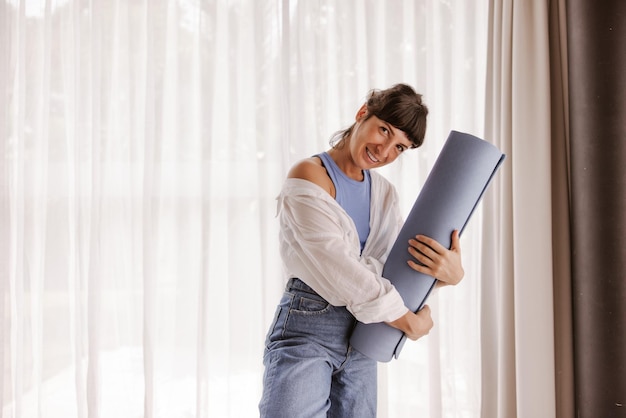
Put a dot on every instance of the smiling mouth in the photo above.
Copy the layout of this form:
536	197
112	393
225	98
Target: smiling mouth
371	156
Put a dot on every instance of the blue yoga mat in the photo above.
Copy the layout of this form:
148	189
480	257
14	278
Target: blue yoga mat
453	189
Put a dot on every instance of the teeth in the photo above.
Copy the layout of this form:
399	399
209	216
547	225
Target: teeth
370	155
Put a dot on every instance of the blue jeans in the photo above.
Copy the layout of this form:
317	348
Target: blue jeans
310	368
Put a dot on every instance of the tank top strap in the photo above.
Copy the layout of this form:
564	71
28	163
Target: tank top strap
352	195
331	167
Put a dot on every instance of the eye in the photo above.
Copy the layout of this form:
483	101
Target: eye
400	148
384	130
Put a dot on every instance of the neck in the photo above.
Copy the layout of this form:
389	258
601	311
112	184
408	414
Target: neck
344	161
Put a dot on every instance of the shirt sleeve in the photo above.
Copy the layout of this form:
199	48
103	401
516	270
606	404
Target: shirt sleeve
321	247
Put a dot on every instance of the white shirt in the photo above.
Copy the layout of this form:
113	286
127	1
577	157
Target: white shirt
319	244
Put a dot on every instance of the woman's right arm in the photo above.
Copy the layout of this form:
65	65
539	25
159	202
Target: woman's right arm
319	246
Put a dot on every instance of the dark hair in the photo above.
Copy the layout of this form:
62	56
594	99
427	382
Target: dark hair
399	106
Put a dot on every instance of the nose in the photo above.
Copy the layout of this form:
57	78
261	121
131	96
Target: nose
384	149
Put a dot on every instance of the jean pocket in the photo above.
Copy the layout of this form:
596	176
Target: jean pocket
314	319
306	305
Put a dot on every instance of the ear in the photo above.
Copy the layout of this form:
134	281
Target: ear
362	112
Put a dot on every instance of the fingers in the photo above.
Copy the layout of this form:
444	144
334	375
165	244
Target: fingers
419	267
425	256
456	241
426	322
429	243
430	257
427	266
431	247
421	252
425	310
414	324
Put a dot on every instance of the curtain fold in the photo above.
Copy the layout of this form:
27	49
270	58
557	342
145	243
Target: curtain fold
517	316
142	147
497	321
561	214
597	64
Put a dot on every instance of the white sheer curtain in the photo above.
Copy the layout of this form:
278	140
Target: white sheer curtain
143	144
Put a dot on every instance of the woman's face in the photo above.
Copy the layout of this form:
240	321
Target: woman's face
376	143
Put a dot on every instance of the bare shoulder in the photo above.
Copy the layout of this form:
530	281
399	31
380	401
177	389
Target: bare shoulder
311	169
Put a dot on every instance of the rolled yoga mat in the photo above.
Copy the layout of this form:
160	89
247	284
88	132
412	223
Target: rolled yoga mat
457	181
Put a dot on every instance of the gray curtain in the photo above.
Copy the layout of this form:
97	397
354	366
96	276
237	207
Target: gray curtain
596	39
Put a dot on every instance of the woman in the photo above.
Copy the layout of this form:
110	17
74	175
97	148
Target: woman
338	221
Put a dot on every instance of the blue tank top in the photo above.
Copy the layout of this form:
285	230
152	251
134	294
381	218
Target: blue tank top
353	196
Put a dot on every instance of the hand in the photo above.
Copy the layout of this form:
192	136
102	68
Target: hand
437	261
414	325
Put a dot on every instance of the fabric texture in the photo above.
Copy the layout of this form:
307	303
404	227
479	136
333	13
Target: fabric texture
596	39
517	309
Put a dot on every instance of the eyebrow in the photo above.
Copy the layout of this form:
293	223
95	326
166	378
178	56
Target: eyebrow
392	129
